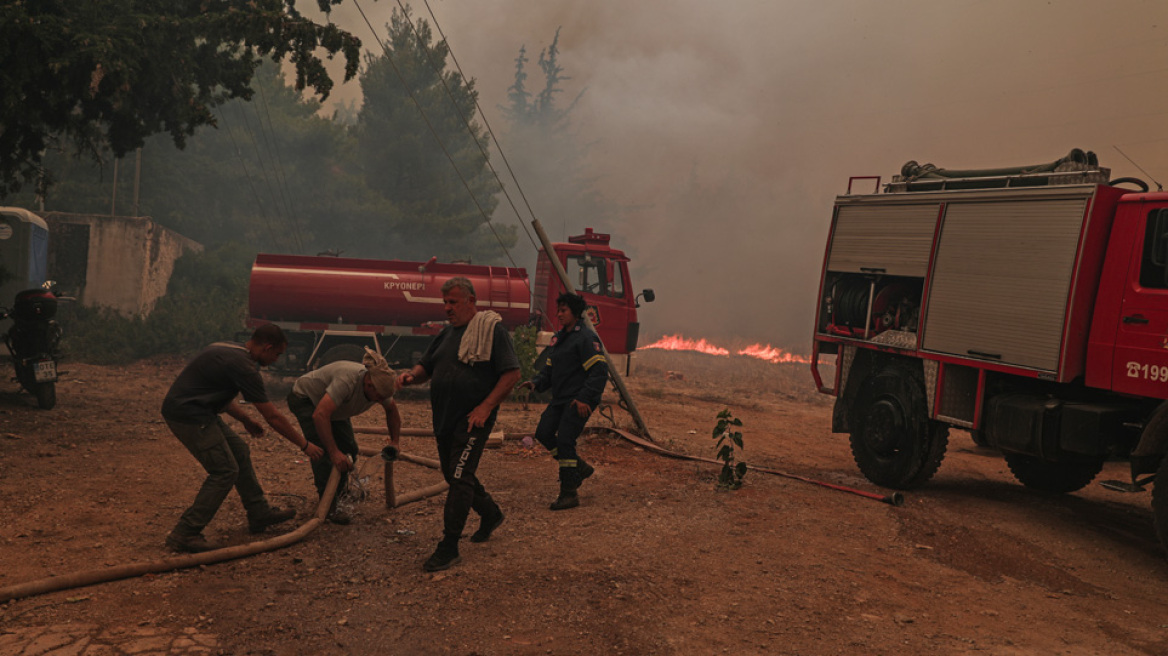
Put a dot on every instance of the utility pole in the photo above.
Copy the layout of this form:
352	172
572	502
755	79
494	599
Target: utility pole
137	178
114	194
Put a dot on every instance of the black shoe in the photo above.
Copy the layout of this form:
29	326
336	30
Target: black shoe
567	499
270	517
339	517
488	526
444	557
189	543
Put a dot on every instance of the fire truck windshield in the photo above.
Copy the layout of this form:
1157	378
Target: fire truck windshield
596	275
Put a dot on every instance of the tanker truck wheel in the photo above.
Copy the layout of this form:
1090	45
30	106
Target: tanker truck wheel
350	352
894	442
1160	502
1053	477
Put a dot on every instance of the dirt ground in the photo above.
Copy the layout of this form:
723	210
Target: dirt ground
654	561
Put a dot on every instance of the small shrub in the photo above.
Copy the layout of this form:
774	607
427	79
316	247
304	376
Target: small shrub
733	471
525	349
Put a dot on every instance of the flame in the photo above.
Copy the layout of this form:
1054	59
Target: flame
679	343
769	353
773	354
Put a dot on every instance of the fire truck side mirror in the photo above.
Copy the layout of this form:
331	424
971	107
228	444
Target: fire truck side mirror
648	295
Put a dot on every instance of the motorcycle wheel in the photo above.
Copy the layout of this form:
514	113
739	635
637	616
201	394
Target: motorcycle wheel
46	395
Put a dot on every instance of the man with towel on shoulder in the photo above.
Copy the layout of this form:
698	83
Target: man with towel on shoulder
325	400
472	367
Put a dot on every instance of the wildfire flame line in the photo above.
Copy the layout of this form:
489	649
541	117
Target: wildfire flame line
768	353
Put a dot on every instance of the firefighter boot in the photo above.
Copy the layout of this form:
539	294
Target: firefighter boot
585	470
567	499
569	481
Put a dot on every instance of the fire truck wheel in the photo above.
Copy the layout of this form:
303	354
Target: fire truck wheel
1160	503
893	441
1053	477
350	352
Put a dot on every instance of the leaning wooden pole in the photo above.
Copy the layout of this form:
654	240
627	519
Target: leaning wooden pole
617	380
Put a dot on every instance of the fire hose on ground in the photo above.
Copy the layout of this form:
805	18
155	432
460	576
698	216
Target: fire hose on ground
118	572
894	499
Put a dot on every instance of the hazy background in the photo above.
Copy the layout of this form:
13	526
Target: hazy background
726	129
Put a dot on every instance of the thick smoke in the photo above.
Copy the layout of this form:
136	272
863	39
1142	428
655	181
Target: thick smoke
728	128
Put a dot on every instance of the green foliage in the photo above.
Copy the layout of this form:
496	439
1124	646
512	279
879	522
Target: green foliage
274	174
525	348
733	470
109	73
205	302
406	157
279	175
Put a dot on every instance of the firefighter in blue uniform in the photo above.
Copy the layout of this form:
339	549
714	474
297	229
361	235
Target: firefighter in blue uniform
576	372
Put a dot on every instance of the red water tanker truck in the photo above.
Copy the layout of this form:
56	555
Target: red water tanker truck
332	307
1028	306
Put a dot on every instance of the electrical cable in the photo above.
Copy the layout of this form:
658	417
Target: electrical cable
434	133
260	158
466	122
273	146
247	175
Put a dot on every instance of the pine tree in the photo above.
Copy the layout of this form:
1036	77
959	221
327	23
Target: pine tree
547	155
418	153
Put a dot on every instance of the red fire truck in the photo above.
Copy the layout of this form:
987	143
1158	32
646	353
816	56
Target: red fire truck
331	307
1028	306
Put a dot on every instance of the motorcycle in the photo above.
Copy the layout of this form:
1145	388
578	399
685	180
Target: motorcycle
33	341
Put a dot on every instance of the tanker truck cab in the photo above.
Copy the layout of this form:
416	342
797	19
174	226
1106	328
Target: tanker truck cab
600	275
1028	306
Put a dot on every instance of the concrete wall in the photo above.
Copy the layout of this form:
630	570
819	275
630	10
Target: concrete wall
118	262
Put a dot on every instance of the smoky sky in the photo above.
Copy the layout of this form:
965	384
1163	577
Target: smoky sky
726	129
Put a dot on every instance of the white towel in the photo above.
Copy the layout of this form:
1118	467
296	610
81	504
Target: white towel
478	338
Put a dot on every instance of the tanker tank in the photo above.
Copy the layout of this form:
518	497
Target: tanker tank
333	290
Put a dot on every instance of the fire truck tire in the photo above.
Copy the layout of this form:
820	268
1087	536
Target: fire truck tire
894	442
350	352
1160	502
1053	477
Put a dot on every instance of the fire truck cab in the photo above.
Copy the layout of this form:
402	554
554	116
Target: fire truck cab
1028	306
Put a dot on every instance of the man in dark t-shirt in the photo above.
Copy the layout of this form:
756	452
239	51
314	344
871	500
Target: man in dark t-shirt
205	389
472	367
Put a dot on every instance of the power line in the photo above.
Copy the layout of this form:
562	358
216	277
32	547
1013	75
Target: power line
260	158
434	133
247	176
1158	185
273	146
466	121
